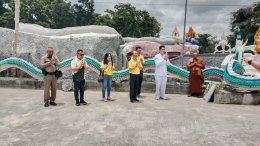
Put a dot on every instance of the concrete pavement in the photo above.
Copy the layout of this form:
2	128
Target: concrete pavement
181	121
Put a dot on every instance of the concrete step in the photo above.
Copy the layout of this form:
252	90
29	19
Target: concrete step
232	97
67	85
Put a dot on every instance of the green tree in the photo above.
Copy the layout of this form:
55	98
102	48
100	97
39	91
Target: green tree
207	43
129	21
36	12
3	9
246	19
62	14
7	20
6	15
99	19
47	13
84	11
125	18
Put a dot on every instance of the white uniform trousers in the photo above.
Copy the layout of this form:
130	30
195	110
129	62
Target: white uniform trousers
160	85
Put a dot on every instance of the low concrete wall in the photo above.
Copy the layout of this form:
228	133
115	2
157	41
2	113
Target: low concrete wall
211	60
147	87
231	97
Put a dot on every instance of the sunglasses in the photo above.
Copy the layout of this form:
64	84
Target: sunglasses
81	54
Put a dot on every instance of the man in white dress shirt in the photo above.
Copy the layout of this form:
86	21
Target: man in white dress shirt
161	62
79	66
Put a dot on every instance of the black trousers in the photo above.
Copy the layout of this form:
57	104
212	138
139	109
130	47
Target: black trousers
140	82
79	87
134	86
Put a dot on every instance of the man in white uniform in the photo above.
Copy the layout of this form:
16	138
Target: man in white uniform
161	62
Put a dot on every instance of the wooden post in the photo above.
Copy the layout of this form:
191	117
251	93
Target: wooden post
16	20
14	71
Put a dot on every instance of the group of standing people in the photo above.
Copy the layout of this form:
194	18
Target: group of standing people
135	66
79	66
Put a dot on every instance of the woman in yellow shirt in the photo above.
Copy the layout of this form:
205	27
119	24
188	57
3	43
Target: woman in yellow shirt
107	67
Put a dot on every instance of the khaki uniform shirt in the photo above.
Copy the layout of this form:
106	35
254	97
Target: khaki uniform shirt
46	64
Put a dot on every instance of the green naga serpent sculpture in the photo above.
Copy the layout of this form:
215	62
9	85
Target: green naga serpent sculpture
234	73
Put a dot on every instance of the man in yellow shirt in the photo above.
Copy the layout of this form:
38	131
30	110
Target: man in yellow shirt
141	59
134	66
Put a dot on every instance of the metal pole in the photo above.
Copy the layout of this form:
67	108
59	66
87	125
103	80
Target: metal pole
16	20
184	31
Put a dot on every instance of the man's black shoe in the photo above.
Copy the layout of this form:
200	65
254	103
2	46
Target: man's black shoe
53	103
77	103
46	104
136	100
83	102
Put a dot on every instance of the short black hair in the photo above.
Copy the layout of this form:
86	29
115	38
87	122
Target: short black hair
79	50
138	47
162	46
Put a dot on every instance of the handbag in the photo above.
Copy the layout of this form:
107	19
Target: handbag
58	74
101	76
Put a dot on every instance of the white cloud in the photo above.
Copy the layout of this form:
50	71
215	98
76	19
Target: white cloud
205	16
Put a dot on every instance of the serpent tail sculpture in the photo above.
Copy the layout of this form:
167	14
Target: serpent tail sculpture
236	76
233	74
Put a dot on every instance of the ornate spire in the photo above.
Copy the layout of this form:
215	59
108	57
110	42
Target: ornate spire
175	32
223	36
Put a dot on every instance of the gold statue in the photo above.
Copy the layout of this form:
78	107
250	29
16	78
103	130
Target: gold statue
256	50
191	33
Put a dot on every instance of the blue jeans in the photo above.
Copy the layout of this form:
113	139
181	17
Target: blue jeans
106	85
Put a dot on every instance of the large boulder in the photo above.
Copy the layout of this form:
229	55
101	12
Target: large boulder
33	41
163	41
6	42
150	49
36	29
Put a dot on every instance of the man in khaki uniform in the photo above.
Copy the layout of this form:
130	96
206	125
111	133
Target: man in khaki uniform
49	63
